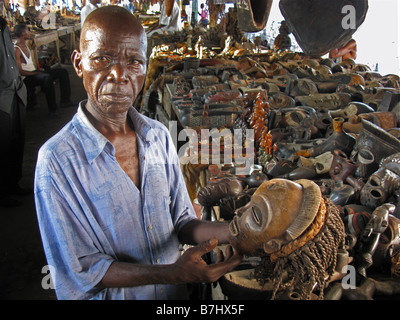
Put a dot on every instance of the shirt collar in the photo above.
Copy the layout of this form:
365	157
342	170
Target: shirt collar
92	5
142	126
94	142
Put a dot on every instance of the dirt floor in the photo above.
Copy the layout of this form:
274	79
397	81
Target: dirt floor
22	259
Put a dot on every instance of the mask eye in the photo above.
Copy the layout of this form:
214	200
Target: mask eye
255	216
365	157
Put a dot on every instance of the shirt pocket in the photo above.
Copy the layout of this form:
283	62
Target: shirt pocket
156	182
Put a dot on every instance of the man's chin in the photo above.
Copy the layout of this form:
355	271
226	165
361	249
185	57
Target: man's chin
116	107
116	99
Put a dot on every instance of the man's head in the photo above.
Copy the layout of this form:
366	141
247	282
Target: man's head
21	31
111	59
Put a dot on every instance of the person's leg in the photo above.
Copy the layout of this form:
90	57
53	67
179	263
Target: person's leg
65	86
31	95
46	82
31	84
12	141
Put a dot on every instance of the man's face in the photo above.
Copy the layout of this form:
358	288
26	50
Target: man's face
26	35
112	63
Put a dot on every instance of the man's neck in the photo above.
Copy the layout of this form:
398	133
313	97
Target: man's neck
22	42
107	126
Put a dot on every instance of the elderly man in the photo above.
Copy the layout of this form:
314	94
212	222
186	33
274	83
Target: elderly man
112	204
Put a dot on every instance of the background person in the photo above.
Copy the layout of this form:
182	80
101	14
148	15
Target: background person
12	121
170	19
88	8
34	77
203	16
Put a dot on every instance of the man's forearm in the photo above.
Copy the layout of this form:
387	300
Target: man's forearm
123	274
197	231
189	268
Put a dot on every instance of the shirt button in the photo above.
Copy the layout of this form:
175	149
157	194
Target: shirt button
158	260
150	227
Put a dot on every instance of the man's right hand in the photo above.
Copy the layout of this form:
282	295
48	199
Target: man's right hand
191	268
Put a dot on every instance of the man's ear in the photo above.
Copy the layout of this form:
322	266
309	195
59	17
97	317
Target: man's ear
76	59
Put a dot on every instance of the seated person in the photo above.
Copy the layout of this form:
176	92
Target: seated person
34	77
169	21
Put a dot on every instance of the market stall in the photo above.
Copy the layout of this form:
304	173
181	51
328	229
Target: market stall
299	115
268	134
54	30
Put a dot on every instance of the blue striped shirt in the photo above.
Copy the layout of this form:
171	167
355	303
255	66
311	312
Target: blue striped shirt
90	212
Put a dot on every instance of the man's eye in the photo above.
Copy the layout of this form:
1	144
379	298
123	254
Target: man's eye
100	59
135	62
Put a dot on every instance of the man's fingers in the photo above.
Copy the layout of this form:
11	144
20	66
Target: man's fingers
204	247
212	272
228	252
217	270
219	256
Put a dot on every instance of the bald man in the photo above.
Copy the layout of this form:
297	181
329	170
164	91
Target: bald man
111	201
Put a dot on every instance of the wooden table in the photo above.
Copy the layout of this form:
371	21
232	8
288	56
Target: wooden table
48	37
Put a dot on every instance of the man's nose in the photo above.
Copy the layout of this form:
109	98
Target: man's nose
118	73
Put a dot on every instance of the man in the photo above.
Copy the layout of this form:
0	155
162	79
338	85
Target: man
88	8
170	19
12	121
111	200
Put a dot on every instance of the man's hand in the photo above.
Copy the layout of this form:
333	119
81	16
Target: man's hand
191	268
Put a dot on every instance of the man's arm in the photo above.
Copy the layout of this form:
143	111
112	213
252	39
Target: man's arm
197	231
189	268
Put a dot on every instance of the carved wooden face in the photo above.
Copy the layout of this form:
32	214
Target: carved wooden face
261	225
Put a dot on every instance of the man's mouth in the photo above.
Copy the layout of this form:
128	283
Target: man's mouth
117	97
